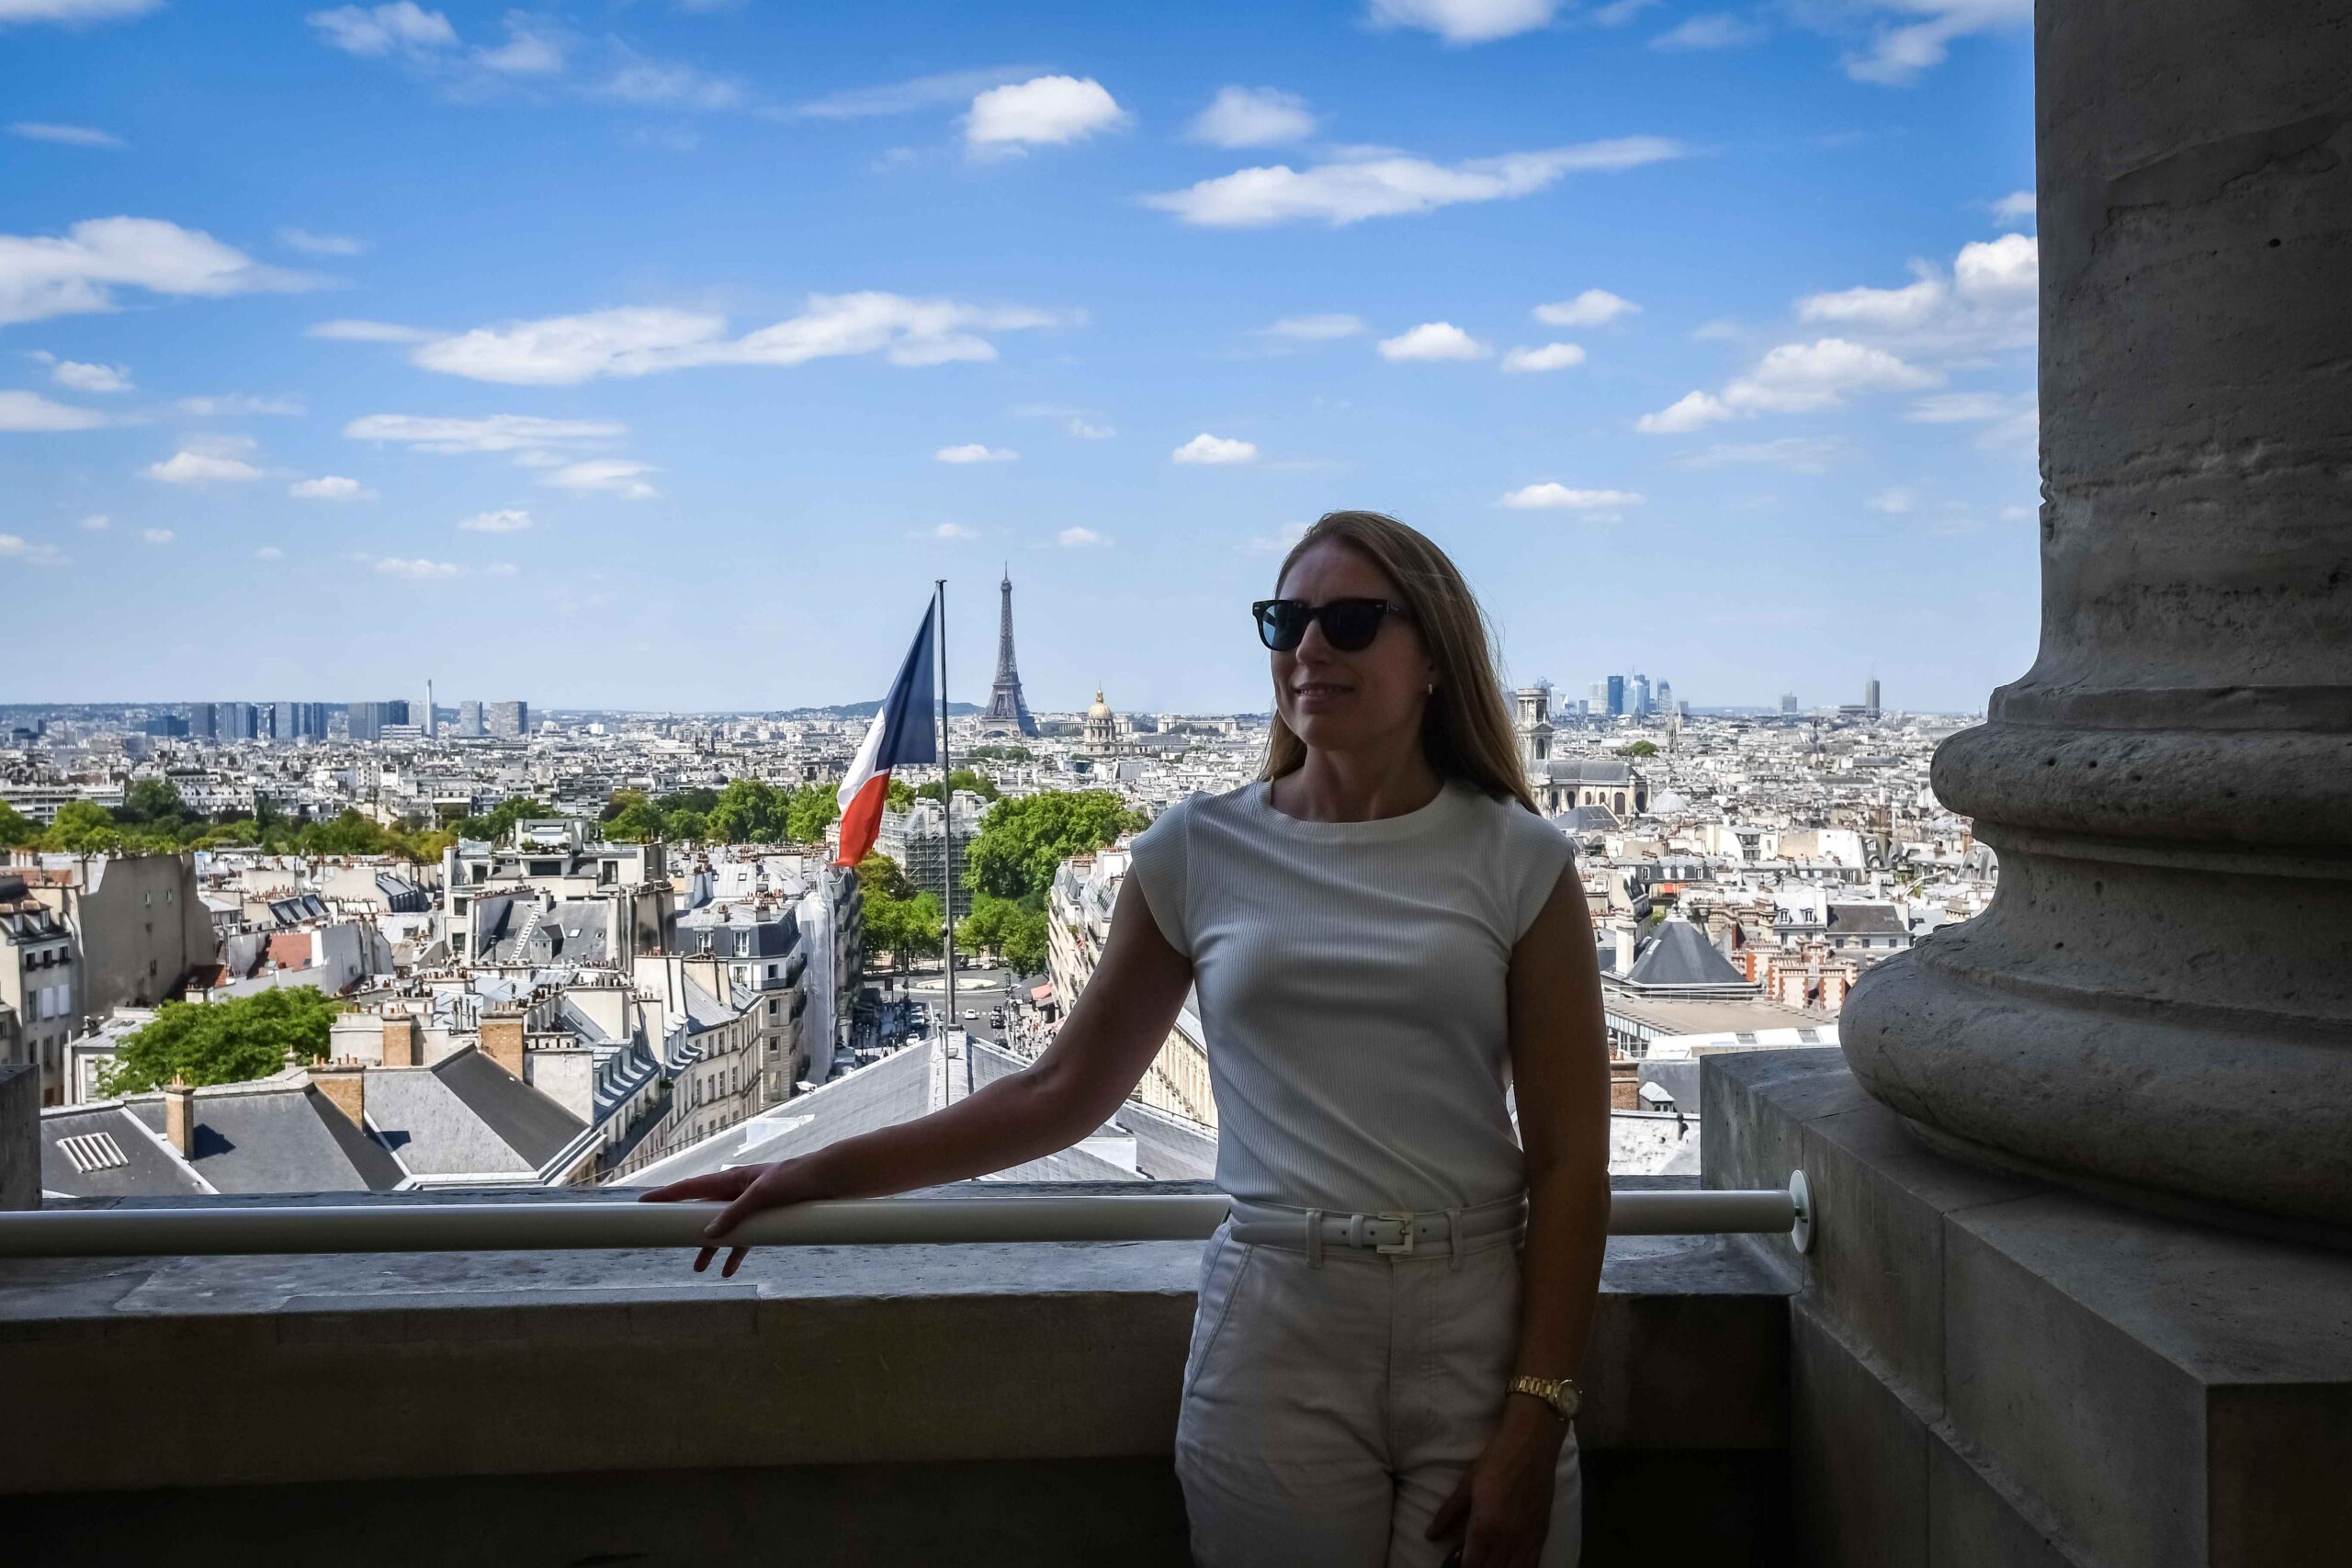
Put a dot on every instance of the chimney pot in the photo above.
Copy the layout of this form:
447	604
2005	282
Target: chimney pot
179	1116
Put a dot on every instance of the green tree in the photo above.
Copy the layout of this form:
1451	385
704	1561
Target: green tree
1022	840
898	796
18	832
686	827
879	877
963	779
152	801
82	827
750	811
494	825
809	811
1639	748
999	754
1000	927
208	1043
637	821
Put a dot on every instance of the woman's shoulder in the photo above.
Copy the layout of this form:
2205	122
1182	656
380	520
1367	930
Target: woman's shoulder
1510	820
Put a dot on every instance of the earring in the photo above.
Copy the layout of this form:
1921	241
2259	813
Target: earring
1429	689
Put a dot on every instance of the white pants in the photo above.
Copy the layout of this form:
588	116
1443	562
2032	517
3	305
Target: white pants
1329	1412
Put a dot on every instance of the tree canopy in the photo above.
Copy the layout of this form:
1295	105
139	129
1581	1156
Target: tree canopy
230	1042
748	811
1014	855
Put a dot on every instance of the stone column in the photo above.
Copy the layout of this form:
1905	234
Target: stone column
2158	1004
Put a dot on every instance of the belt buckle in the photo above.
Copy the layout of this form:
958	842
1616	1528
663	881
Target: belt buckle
1402	1248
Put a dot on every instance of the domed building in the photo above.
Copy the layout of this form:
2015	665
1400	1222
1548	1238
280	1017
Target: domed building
1102	735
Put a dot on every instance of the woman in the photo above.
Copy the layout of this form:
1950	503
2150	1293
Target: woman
1385	939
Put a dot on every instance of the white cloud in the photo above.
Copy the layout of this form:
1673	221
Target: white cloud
157	536
1958	408
1721	329
1896	54
1551	356
1554	497
505	520
609	476
190	467
1434	340
2015	208
905	98
1043	111
1214	449
15	548
42	276
1713	29
1593	307
1076	539
231	404
1465	21
77	376
368	331
313	244
490	432
418	569
975	452
64	135
1375	183
1895	500
1988	302
1798	454
1617	12
72	11
955	531
269	552
31	412
562	350
1252	117
669	84
1276	543
97	523
1795	377
533	47
1085	430
1323	328
330	486
402	26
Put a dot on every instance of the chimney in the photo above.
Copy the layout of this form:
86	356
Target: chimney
400	1040
502	1041
344	1083
1625	951
179	1116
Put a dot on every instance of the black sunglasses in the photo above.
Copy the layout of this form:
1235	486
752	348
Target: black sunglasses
1348	625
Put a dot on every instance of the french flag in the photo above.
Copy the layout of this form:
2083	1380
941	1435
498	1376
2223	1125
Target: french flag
901	732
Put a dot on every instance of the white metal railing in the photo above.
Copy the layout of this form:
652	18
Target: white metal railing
543	1225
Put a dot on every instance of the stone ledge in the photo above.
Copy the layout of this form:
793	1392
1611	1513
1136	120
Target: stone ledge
378	1366
1979	1357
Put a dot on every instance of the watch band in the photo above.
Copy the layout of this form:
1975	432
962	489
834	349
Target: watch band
1561	1393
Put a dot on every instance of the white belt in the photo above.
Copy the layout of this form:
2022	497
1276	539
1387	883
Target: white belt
1395	1233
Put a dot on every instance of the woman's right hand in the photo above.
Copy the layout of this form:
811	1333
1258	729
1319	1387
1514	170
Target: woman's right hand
747	1190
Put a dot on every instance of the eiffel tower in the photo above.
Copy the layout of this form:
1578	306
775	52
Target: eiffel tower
1007	713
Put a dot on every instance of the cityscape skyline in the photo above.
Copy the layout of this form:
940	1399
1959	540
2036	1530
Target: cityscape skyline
731	328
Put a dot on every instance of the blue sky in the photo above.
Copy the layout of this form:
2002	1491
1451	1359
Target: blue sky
661	354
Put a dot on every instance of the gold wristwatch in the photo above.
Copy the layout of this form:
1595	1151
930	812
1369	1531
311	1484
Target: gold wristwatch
1561	1393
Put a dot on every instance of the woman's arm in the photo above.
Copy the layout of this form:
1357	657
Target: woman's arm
1560	1066
1110	1037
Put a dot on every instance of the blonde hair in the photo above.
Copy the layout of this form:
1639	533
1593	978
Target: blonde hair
1465	729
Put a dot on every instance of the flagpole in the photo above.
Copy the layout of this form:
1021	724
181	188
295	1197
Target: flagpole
947	841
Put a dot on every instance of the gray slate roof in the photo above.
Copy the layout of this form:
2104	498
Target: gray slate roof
285	1138
466	1116
1681	954
103	1136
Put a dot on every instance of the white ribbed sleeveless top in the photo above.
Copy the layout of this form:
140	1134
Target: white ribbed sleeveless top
1351	987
